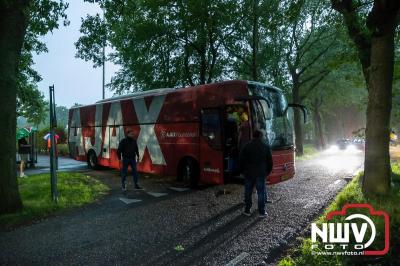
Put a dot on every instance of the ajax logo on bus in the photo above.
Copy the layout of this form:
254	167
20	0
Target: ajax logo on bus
355	234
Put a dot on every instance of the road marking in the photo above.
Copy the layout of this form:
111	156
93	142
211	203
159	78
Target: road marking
129	201
179	189
238	259
157	194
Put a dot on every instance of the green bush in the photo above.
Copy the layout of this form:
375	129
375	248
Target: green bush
63	149
309	151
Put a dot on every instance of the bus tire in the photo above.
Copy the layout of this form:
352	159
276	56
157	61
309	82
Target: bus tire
92	160
188	172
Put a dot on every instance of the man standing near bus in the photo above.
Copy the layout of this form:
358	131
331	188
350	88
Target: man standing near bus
256	164
128	153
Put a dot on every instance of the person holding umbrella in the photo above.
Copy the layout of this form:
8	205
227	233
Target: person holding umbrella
24	149
48	139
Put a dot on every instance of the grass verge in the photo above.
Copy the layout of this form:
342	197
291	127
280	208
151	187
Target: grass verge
309	151
303	255
74	189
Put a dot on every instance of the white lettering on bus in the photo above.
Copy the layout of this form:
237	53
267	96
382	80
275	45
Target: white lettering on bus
212	170
114	118
147	136
97	132
165	134
75	136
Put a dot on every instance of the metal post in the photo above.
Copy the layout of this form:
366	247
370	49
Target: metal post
53	163
104	70
33	146
104	59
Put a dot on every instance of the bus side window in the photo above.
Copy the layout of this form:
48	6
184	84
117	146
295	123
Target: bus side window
259	115
211	127
266	109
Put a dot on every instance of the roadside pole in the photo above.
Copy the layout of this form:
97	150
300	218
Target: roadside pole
53	163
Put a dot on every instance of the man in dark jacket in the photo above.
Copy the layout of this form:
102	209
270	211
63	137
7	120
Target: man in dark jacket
128	153
256	164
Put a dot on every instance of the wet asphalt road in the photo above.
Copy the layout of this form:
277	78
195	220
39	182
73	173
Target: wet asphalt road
64	164
145	228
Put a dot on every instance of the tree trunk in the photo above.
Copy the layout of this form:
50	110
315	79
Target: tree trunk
298	126
377	161
319	137
254	70
381	22
12	32
320	132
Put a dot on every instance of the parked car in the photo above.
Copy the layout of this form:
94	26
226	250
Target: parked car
359	143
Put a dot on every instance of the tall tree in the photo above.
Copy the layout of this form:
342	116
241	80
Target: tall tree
16	16
159	43
13	22
250	39
338	96
371	26
309	34
30	101
43	17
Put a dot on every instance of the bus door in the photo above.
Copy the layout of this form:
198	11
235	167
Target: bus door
236	134
211	153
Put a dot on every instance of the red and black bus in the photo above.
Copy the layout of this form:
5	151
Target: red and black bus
194	133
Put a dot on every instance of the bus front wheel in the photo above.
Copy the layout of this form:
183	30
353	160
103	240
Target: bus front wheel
92	160
188	172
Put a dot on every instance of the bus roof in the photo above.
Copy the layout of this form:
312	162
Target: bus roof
138	94
264	84
163	91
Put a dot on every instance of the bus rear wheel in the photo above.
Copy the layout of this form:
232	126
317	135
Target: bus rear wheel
92	160
188	172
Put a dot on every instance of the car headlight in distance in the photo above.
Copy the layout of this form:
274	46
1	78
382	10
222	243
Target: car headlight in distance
333	148
351	147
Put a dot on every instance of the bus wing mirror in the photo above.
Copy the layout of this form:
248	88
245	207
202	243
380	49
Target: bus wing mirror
302	107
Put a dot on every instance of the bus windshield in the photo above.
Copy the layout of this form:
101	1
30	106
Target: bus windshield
272	116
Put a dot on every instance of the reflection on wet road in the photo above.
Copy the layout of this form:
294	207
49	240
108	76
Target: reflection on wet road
339	160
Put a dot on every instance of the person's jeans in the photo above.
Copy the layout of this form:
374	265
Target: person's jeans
124	170
261	192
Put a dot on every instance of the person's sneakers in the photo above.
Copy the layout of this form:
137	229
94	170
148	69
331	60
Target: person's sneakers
23	175
123	188
262	215
247	213
137	187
